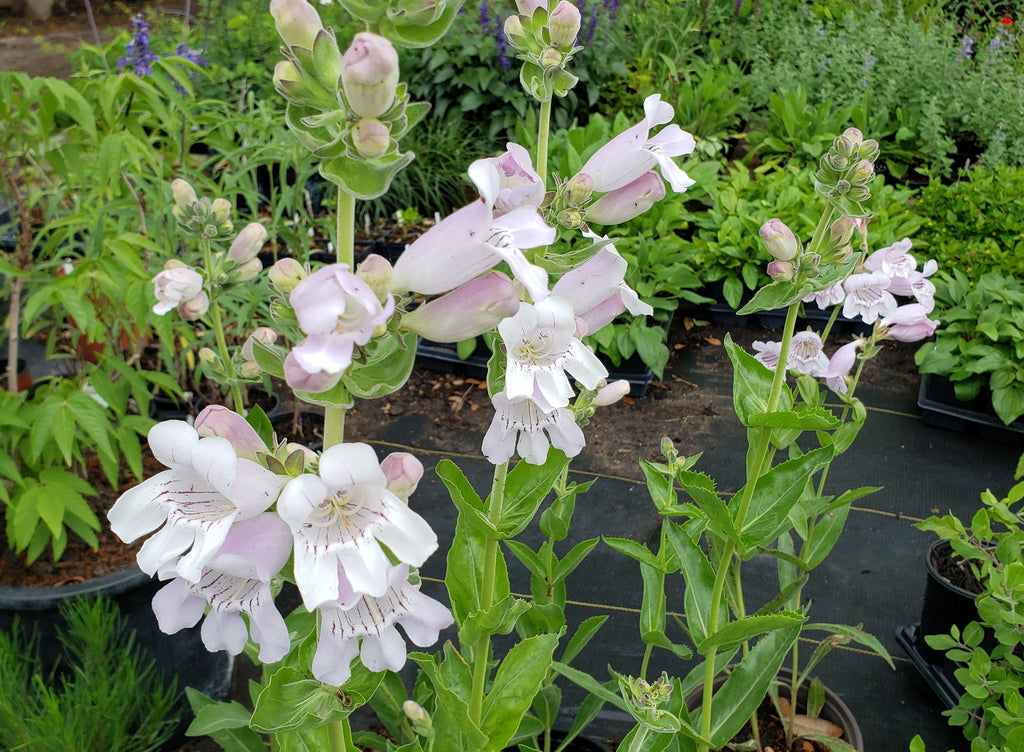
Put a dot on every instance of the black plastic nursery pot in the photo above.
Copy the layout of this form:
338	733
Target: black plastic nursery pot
946	605
940	408
834	711
180	657
577	744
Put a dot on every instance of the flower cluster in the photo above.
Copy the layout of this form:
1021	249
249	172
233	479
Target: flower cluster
229	512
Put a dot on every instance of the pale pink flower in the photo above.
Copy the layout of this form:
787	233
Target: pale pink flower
806	354
611	393
542	347
828	297
632	153
364	625
174	286
337	311
768	353
627	202
217	420
476	307
471	242
779	240
207	488
908	323
508	182
402	473
235	581
840	365
901	267
525	426
341	518
868	296
597	289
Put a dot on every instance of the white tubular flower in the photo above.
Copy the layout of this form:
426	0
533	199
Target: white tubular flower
542	346
868	296
806	354
597	289
634	151
523	426
174	286
235	581
364	625
508	182
207	489
341	517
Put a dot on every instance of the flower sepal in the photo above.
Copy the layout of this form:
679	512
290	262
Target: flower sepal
385	367
417	24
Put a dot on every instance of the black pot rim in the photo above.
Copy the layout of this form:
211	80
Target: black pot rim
44	598
944	581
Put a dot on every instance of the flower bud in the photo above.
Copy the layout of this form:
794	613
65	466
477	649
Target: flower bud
779	240
868	150
208	356
376	271
249	369
369	74
418	718
220	210
262	334
841	230
611	393
863	172
514	31
564	25
623	204
249	270
371	137
217	420
286	73
402	473
550	58
780	270
297	22
286	274
472	309
527	7
248	243
579	189
190	310
184	193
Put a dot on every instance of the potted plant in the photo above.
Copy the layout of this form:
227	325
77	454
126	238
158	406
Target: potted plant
985	654
973	372
783	508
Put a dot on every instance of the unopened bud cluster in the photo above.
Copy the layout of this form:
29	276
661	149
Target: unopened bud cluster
546	40
200	217
845	171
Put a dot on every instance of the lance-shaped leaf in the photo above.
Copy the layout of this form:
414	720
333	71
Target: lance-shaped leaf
775	295
746	629
700	583
516	683
739	697
525	488
774	495
752	385
293	702
453	729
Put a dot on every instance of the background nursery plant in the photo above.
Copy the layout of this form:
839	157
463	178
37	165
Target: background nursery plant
782	508
239	510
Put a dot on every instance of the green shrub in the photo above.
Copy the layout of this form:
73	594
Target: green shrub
974	224
980	341
107	697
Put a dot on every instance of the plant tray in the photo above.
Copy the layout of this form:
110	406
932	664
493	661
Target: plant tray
939	677
940	408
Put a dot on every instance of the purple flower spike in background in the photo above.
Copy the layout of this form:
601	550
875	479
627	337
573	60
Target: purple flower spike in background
139	53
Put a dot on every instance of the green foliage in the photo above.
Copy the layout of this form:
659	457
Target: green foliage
980	342
973	224
988	651
106	697
727	248
46	441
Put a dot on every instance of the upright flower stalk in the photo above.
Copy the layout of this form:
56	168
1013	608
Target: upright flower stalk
339	523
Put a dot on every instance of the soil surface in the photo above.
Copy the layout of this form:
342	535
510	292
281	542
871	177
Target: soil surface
40	47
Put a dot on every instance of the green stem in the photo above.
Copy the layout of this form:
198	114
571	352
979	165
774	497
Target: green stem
345	218
543	132
218	330
725	566
481	652
339	737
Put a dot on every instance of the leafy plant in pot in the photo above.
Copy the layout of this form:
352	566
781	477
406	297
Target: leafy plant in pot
783	508
988	652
